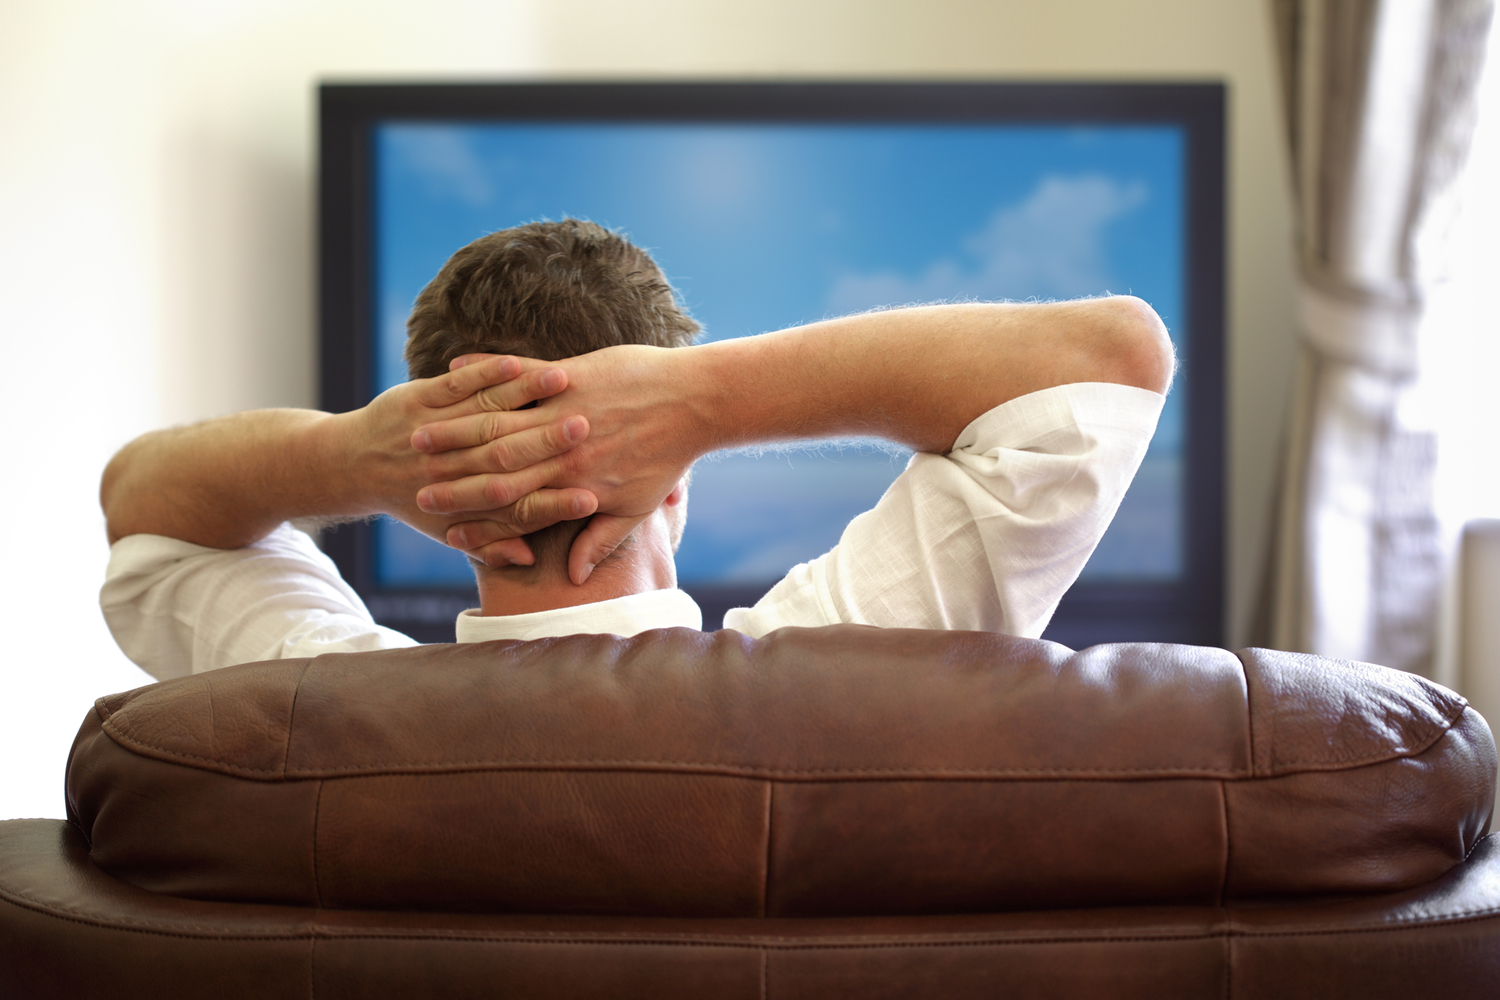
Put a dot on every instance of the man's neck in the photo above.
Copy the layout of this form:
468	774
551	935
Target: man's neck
499	595
505	593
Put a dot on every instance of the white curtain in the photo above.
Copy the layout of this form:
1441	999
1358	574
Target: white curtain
1379	101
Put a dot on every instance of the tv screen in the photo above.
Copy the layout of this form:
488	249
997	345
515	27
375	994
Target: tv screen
774	205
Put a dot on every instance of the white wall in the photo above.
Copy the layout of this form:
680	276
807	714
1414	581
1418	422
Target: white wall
156	227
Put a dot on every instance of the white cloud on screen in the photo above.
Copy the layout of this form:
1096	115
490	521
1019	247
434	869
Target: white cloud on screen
1049	245
720	177
446	161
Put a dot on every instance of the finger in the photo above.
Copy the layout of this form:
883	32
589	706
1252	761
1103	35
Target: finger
532	512
519	451
529	387
461	383
495	448
506	552
594	544
509	453
466	359
469	359
503	550
487	492
494	543
517	380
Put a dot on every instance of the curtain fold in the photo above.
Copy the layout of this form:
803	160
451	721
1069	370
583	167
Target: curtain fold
1379	104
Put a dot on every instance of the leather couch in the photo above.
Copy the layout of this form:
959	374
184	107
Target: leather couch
823	812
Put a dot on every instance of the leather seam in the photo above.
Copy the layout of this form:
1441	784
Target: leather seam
765	882
745	770
26	902
1249	714
317	816
291	718
751	770
1224	811
780	943
1228	959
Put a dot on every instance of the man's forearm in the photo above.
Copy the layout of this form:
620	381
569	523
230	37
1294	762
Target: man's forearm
916	376
228	482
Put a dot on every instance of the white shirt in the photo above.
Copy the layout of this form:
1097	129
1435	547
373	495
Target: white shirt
987	537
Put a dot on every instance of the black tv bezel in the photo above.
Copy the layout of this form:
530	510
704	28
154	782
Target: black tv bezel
1189	610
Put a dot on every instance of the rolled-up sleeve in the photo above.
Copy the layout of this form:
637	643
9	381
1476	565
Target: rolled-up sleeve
988	536
177	608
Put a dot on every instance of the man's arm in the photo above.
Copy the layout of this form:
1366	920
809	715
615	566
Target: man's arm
917	376
228	482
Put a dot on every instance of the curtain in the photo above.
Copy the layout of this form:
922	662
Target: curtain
1378	99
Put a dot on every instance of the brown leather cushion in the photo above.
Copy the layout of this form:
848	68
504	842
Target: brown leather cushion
815	772
70	932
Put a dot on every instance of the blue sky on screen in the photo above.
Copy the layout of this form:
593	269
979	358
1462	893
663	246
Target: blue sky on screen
764	227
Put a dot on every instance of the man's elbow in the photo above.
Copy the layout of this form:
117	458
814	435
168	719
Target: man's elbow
109	496
1138	350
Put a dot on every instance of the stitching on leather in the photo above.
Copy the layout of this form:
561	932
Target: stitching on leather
114	730
747	770
1249	713
317	815
291	716
26	902
1228	940
87	840
1224	807
314	931
770	941
765	882
101	706
765	973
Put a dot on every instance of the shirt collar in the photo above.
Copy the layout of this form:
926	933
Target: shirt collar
622	616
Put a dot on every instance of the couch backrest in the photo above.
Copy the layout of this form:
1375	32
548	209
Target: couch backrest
835	771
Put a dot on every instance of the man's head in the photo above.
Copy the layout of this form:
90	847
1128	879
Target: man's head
546	290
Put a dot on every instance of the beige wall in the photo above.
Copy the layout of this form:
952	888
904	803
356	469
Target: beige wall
156	244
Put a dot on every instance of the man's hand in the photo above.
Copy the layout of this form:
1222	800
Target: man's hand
226	483
500	391
642	436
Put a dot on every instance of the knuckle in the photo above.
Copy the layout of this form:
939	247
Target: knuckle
502	455
493	427
496	493
528	512
492	399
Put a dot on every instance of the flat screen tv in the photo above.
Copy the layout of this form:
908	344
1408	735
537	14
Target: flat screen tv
774	204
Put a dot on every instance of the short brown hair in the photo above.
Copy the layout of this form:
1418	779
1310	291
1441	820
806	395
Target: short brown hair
546	290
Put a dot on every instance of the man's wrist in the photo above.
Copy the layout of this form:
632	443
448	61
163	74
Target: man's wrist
701	383
736	399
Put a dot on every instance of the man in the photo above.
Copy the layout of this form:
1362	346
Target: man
1029	421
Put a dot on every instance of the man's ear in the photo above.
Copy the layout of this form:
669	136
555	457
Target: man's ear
674	508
